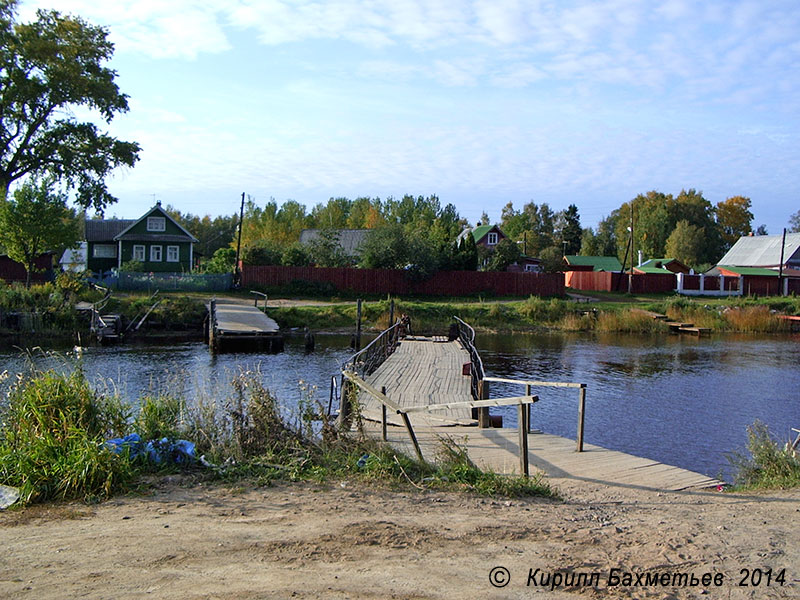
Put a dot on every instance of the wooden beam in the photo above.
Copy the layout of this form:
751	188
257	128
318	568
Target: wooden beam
534	383
472	404
372	391
412	436
522	417
581	407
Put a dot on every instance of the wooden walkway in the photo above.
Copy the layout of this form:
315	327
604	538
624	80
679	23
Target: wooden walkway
427	372
423	371
235	326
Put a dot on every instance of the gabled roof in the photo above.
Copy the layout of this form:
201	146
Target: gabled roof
161	212
100	230
659	265
598	263
479	232
763	251
349	239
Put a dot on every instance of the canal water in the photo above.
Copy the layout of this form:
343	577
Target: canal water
681	400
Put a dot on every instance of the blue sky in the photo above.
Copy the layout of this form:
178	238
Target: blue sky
479	102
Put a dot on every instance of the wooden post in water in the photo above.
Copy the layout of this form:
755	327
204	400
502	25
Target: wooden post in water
358	325
523	438
484	421
383	415
581	408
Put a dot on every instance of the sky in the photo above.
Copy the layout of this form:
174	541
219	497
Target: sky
480	102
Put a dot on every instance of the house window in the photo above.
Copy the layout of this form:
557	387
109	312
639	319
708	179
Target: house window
173	254
104	251
156	223
155	253
491	238
138	253
532	268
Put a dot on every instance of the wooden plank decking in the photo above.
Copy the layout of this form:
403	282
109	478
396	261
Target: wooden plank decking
423	372
426	372
235	326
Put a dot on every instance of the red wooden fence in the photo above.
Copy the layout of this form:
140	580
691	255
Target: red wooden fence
605	281
14	271
386	281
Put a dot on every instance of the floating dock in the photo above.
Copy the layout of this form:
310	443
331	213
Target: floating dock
415	391
237	327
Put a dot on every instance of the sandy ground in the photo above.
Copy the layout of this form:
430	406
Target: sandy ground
339	540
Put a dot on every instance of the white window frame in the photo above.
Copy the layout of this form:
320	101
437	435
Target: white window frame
104	251
491	238
173	254
156	224
138	253
156	253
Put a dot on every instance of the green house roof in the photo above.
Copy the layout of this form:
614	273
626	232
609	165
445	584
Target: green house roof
480	231
599	263
750	270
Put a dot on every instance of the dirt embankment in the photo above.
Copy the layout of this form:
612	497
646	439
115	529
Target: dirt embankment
339	541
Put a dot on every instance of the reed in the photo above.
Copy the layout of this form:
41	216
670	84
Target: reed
768	464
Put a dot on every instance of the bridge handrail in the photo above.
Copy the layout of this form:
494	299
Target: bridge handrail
367	360
466	335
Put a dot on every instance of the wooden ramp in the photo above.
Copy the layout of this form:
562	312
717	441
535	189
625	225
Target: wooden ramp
498	450
235	326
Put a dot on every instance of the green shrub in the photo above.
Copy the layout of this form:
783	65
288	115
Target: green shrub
159	417
769	464
52	439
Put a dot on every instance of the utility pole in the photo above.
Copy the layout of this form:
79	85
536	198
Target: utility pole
780	268
237	276
630	273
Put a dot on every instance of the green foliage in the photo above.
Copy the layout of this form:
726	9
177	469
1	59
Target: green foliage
466	256
794	223
261	252
325	250
51	441
37	219
159	417
296	255
385	248
685	243
769	465
223	261
132	266
50	70
505	253
71	283
571	231
552	259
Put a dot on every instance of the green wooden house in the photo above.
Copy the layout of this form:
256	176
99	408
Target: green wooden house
155	240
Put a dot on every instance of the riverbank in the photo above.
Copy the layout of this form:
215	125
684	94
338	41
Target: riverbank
179	538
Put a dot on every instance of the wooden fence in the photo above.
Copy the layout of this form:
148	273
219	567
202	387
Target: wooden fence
606	281
386	281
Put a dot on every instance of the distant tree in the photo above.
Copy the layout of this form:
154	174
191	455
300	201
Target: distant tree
734	219
686	243
552	259
261	252
296	255
485	220
606	238
794	222
762	230
385	248
466	256
212	234
326	251
51	69
36	219
222	261
571	230
506	253
589	243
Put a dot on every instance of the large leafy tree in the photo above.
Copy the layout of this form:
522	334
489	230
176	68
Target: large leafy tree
49	68
686	243
734	219
36	219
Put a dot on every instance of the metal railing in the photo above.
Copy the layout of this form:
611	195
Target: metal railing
466	335
366	361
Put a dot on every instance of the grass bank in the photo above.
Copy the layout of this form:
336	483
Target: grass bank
55	426
543	314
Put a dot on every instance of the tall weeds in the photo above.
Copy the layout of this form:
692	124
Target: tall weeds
769	464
